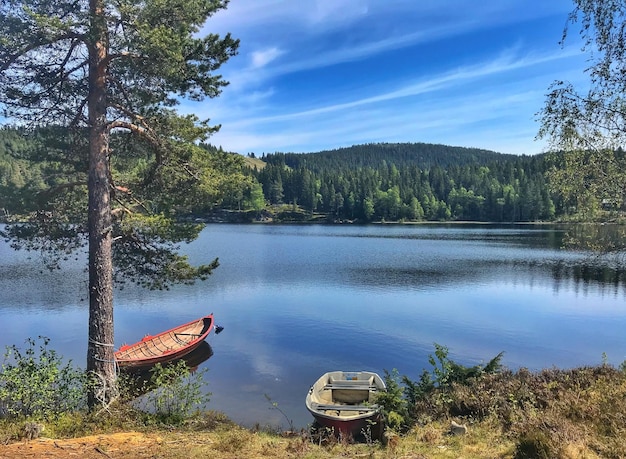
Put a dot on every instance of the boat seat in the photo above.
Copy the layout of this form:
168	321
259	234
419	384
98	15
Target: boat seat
351	386
321	406
195	335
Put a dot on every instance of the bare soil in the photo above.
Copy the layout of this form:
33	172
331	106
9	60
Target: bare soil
117	445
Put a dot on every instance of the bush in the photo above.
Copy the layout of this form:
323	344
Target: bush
433	394
534	445
35	384
176	391
393	402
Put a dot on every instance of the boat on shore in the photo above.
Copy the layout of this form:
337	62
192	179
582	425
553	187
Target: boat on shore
165	347
345	402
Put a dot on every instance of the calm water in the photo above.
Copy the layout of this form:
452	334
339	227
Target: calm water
297	301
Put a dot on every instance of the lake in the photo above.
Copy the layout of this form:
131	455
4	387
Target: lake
297	301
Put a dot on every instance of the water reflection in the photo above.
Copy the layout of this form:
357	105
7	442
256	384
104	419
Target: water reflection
601	278
139	378
560	274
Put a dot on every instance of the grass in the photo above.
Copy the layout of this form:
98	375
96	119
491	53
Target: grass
548	414
576	413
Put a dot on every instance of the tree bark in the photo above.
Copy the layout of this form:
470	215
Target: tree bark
100	350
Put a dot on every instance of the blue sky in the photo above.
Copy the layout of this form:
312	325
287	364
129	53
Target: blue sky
324	74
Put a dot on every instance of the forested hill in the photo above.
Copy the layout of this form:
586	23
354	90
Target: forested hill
373	155
363	183
410	182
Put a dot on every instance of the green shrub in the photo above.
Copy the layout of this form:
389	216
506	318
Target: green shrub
534	445
433	393
35	384
393	402
176	391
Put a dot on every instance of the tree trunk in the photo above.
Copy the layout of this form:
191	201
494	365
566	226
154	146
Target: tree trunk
100	350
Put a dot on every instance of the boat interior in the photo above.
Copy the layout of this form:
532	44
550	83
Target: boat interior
152	346
338	396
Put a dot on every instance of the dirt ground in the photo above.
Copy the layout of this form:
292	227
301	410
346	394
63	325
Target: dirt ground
117	445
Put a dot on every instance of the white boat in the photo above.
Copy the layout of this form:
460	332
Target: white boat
345	401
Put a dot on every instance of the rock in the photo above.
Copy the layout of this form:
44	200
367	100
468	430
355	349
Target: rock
457	429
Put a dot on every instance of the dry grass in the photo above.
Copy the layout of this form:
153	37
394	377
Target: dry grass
253	163
555	413
236	443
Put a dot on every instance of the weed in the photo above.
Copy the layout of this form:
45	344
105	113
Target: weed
323	436
274	406
373	432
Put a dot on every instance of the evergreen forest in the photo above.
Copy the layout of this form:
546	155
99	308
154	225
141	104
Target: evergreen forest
363	183
411	182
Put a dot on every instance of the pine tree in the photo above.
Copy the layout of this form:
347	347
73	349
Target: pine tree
110	73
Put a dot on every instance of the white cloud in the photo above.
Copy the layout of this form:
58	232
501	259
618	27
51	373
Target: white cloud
262	58
300	29
498	117
271	104
505	63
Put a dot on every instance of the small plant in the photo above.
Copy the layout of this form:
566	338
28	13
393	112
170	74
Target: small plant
277	408
177	391
373	432
321	435
34	383
446	371
393	401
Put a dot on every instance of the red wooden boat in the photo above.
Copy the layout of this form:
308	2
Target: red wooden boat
345	402
166	346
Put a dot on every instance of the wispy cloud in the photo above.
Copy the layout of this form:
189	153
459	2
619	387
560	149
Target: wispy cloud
262	58
329	73
423	120
506	62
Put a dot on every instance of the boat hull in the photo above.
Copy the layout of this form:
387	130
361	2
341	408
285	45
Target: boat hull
370	425
345	403
165	347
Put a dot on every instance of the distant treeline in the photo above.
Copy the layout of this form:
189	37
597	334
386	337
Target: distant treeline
411	182
363	183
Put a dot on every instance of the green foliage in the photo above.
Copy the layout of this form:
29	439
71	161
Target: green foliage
403	397
146	252
255	199
175	392
35	384
147	227
400	155
408	185
94	86
541	411
393	402
400	182
585	128
444	373
534	445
